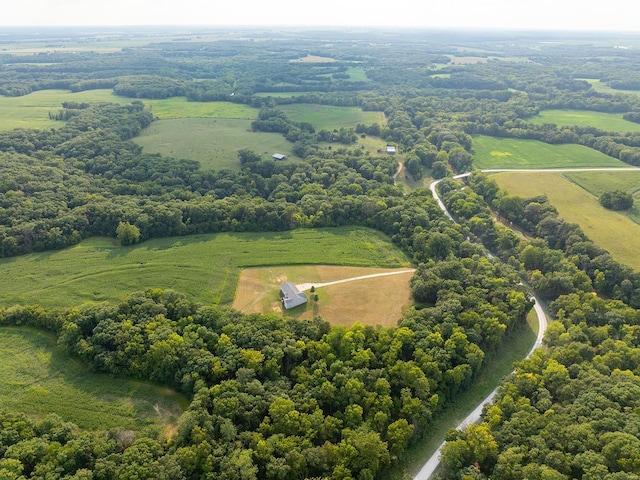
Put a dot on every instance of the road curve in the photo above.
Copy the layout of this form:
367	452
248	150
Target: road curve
430	467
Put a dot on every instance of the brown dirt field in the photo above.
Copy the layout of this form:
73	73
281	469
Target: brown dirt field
372	301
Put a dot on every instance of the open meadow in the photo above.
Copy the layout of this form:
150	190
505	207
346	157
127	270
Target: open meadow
493	152
32	111
601	87
597	183
209	132
610	230
206	268
369	301
39	378
612	122
328	117
214	142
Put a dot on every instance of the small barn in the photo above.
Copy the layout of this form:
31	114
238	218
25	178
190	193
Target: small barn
391	150
278	156
291	296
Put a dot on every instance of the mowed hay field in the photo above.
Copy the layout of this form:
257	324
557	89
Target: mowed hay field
214	142
206	268
584	118
39	378
493	152
370	301
612	231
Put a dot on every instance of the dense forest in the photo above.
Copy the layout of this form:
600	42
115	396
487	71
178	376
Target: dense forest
290	399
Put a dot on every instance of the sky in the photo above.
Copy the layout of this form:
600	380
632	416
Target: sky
613	15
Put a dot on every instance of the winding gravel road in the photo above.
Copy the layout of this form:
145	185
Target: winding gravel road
430	467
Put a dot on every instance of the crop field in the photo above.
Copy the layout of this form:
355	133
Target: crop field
604	121
328	117
494	152
214	142
206	268
39	378
612	231
342	304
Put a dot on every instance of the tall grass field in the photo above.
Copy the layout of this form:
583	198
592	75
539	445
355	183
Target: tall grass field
204	267
493	152
604	121
38	378
612	231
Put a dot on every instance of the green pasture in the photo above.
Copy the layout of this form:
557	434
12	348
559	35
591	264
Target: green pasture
180	107
602	87
493	152
357	74
613	231
204	267
39	378
605	121
32	111
214	142
597	183
280	94
328	117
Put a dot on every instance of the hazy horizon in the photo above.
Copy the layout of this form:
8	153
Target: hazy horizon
545	15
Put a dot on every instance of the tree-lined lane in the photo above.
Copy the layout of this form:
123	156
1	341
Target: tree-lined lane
431	465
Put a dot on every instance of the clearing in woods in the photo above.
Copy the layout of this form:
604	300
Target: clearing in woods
39	378
375	300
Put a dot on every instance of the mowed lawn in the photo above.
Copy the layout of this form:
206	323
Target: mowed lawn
493	152
370	301
610	230
584	118
328	117
206	268
38	378
214	142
